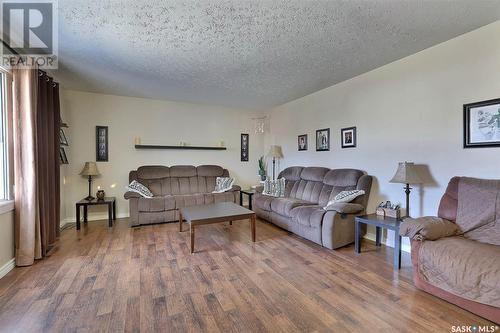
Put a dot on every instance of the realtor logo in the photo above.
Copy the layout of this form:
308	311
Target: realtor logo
29	33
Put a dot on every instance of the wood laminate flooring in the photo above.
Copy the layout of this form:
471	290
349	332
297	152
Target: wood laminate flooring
144	279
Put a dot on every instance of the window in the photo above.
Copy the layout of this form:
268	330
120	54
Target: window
5	193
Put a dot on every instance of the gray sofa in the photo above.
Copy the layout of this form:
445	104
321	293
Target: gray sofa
175	187
308	190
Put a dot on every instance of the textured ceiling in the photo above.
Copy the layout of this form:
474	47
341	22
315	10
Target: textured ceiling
248	54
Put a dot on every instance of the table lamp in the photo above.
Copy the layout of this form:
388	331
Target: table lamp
407	174
276	153
89	170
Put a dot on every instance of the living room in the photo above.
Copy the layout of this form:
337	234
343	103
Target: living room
362	114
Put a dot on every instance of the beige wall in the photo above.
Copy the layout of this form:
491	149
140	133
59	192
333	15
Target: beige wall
156	122
408	110
6	238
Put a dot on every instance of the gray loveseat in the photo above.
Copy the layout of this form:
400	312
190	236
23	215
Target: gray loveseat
308	190
175	187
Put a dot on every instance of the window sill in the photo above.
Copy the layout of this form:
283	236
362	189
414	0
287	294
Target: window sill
6	206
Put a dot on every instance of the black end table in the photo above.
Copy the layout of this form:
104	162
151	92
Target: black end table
110	201
250	194
380	222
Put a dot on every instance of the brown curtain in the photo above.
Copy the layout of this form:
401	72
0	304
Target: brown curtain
36	164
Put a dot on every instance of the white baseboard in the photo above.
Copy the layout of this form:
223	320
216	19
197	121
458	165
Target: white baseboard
92	217
7	267
404	247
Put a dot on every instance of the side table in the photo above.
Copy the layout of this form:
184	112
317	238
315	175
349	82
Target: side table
109	201
250	194
380	222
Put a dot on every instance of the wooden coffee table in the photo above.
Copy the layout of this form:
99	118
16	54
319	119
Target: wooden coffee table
214	213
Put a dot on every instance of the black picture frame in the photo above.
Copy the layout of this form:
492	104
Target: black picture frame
348	137
62	138
323	139
302	142
101	144
482	119
245	144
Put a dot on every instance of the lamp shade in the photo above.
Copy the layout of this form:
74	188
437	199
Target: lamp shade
406	174
90	169
275	152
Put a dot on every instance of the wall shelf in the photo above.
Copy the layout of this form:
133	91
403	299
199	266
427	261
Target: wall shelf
178	147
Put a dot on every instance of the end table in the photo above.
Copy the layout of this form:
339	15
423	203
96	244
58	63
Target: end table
109	201
380	222
250	193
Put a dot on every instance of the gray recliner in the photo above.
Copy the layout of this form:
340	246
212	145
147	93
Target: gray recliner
175	187
308	190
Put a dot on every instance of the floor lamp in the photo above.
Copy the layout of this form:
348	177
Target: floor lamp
275	153
407	174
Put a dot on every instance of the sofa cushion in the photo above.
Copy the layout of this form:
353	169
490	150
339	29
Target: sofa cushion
219	197
463	267
263	201
183	171
311	216
283	206
343	177
209	171
315	174
156	204
185	200
153	172
291	173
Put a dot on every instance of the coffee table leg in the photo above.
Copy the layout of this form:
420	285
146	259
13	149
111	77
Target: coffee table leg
252	223
191	236
180	221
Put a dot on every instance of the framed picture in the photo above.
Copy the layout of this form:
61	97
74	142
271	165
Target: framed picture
101	143
348	137
244	147
62	138
63	159
302	142
323	139
482	124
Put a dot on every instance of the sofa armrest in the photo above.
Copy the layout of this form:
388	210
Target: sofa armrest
259	189
235	188
346	207
130	195
427	228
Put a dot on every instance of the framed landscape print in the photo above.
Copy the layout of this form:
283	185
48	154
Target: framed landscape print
482	124
302	142
101	143
244	147
348	137
323	139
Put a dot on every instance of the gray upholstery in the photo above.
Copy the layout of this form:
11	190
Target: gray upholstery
308	190
175	187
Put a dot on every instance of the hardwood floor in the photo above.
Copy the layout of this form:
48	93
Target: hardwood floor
145	279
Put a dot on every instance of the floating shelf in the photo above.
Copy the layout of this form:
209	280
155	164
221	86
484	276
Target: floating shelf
178	147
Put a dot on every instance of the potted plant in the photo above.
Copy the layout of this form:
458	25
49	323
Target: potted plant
262	168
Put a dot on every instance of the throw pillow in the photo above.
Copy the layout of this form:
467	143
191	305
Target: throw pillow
137	187
274	188
223	184
345	196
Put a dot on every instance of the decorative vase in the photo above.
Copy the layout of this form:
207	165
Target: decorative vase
100	195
